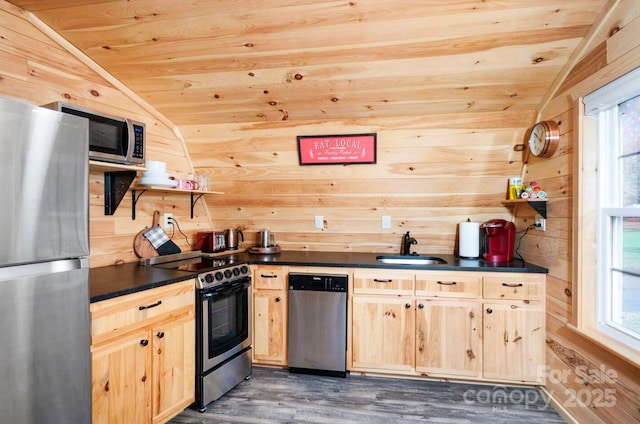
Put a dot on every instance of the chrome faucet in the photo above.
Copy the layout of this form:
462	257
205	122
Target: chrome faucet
407	241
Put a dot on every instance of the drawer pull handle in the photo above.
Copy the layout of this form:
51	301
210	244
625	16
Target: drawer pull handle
512	285
377	280
447	283
144	342
160	334
153	305
278	299
268	276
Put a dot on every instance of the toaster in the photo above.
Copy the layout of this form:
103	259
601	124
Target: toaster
210	241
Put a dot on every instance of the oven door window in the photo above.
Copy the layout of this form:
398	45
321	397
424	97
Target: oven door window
228	319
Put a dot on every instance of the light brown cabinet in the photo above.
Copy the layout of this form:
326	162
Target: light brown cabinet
143	361
480	326
449	337
383	321
513	327
270	315
383	333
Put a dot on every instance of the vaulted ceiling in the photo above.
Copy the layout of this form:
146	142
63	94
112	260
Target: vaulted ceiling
205	61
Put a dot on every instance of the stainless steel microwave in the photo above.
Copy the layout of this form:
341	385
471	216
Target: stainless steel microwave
111	139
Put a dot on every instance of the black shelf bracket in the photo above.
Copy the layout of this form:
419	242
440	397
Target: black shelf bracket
194	200
540	207
116	184
134	202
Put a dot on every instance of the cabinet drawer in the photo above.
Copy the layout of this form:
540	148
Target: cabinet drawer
383	282
513	286
112	317
449	284
270	277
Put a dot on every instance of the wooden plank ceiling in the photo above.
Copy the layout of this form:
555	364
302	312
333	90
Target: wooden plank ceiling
205	62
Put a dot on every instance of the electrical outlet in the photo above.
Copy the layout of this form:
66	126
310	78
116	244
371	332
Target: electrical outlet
540	223
319	222
386	222
167	221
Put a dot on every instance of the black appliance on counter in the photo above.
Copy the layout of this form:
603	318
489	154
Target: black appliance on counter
223	321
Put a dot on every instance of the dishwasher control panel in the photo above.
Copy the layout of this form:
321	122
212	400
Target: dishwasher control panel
318	282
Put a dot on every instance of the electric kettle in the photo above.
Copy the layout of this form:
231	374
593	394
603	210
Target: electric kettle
232	237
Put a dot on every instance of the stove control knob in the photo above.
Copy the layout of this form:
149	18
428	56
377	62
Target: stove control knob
236	272
219	276
208	278
227	273
244	269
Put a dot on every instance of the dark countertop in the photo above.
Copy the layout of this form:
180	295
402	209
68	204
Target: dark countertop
117	280
368	260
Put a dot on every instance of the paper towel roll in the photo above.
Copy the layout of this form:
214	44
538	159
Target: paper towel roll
469	239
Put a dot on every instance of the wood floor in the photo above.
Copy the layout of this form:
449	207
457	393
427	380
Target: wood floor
276	396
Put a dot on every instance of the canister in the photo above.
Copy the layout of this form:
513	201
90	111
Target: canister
515	188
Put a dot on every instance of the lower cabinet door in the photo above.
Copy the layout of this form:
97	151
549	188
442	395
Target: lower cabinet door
514	336
383	333
269	327
449	337
173	366
121	380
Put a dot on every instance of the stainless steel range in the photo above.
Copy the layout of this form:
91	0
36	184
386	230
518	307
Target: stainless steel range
223	322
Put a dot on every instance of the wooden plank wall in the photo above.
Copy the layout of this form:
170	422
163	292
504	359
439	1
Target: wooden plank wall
36	68
431	173
571	357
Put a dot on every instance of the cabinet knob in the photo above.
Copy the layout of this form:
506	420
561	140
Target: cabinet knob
420	305
144	342
489	310
160	334
407	305
278	299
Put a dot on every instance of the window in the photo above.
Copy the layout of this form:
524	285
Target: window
615	111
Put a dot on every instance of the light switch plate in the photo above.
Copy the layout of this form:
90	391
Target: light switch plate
386	222
319	222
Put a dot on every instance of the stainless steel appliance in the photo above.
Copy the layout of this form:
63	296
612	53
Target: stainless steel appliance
318	324
233	237
223	323
111	138
45	360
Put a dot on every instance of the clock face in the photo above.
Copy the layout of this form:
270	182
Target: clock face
544	137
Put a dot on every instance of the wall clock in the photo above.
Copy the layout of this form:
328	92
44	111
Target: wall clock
544	139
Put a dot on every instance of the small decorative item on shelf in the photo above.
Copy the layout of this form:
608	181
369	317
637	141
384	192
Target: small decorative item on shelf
533	191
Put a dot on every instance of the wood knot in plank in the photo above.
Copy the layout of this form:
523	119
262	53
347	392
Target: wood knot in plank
470	354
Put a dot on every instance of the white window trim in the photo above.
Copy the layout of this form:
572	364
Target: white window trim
586	315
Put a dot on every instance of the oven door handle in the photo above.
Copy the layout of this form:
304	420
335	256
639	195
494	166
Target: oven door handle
236	287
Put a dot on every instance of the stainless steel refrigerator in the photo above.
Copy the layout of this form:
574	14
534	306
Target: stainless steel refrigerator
45	359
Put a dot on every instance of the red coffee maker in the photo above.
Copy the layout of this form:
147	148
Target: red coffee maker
498	240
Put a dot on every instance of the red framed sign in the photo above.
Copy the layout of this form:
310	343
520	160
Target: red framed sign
337	149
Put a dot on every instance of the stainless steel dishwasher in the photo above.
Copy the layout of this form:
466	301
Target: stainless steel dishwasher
318	324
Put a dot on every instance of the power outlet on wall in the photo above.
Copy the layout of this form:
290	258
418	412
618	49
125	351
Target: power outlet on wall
167	220
540	223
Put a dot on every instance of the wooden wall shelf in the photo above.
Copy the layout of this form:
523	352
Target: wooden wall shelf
195	195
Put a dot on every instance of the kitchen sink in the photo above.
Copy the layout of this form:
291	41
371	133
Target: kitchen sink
411	260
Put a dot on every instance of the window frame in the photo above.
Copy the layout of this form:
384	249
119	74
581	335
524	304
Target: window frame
589	224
